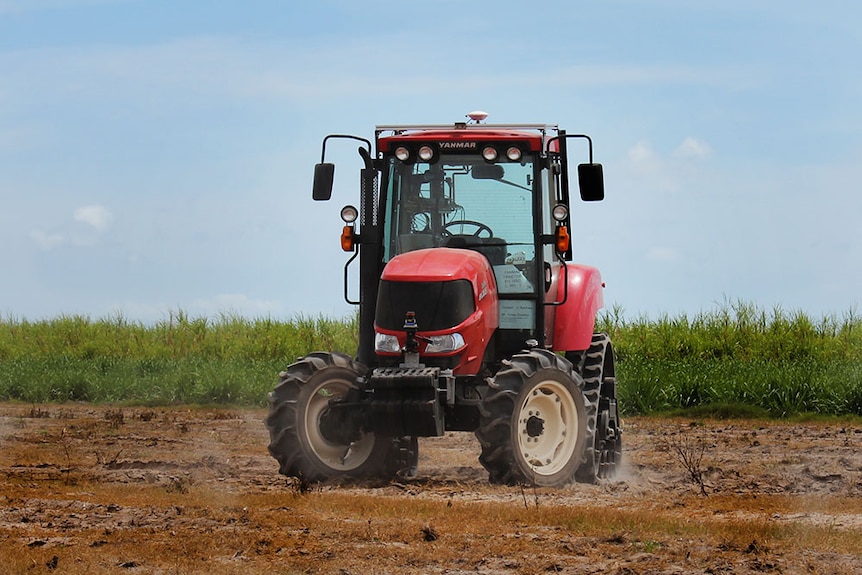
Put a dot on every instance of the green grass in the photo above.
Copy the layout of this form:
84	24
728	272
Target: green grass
737	360
228	360
783	363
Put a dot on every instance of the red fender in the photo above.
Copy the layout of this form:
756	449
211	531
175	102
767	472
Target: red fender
575	320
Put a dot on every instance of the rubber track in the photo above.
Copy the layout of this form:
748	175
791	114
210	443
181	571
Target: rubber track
591	367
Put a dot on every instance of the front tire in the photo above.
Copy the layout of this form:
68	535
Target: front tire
297	405
533	424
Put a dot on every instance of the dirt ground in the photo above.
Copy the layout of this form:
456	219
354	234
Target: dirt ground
107	489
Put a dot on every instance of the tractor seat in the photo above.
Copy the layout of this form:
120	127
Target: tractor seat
494	249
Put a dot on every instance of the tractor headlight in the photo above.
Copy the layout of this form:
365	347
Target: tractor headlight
489	153
445	343
386	343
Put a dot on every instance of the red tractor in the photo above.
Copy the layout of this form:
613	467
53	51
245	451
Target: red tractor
471	315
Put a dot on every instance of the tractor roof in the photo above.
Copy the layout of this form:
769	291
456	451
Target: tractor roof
535	134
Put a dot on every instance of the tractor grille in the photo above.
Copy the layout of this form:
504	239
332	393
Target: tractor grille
437	305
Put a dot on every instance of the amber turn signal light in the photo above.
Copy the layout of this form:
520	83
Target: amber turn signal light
563	239
347	238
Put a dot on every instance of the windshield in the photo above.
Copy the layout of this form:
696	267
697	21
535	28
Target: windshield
464	202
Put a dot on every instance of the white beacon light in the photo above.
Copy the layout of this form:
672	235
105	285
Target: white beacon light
477	115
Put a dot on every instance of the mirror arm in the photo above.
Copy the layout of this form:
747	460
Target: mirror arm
564	166
344	137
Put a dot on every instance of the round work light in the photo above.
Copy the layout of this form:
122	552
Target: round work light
402	153
514	153
560	212
349	214
489	153
426	153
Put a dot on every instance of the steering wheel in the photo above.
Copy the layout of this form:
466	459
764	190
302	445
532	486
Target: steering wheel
480	227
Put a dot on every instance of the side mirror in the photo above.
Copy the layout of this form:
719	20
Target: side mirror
324	175
591	182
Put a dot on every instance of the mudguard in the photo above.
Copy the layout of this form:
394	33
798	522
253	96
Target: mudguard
574	322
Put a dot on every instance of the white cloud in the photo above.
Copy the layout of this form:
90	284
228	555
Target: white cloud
47	241
642	153
692	148
98	217
649	170
215	66
723	76
667	171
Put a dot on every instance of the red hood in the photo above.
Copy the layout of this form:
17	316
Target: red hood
449	264
438	264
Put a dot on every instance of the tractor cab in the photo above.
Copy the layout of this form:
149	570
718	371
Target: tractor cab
462	201
500	191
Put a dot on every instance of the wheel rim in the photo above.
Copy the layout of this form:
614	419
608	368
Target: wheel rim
547	428
339	457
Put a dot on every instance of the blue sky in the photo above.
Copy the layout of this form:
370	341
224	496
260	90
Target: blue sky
157	156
